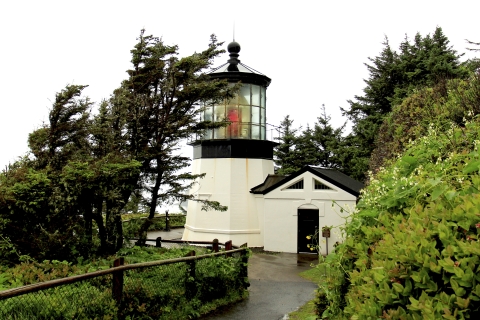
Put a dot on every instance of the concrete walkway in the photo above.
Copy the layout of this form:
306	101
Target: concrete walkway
173	234
276	289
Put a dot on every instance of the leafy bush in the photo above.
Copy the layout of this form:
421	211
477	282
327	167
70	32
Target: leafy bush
61	303
133	223
449	101
160	292
412	247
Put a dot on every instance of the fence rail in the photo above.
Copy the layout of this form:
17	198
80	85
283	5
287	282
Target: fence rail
162	285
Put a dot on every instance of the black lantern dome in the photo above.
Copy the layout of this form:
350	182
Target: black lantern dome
235	71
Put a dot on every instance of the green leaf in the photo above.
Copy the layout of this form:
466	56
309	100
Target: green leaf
398	287
471	167
438	191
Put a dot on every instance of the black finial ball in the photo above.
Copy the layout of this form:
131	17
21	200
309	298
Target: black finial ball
233	47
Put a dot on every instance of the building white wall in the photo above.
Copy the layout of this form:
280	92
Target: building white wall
228	181
281	207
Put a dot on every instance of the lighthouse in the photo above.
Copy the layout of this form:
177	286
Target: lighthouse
234	159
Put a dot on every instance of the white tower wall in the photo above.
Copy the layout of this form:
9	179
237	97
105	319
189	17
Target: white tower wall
228	181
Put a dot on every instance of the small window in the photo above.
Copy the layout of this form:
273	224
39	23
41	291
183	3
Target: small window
321	186
298	185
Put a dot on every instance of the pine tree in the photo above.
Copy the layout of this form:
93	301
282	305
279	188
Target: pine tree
284	154
392	77
327	141
306	152
161	102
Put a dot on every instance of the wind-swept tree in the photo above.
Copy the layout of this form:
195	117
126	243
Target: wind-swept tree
161	102
84	169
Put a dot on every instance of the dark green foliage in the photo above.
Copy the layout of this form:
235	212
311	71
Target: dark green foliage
319	146
411	248
448	101
159	292
305	149
327	141
393	76
132	227
284	153
66	200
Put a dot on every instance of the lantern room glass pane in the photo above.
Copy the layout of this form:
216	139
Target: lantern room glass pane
219	133
264	97
232	115
255	95
244	131
262	133
255	115
255	132
262	116
244	95
208	134
219	113
208	114
244	113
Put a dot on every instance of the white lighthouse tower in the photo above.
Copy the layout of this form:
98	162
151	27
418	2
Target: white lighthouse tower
235	159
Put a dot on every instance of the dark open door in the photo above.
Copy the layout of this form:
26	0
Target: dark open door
307	226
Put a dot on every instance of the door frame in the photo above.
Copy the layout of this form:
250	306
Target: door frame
309	215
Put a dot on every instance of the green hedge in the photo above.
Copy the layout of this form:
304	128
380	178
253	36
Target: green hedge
412	247
160	292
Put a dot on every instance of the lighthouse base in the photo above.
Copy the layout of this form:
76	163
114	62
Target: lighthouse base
228	181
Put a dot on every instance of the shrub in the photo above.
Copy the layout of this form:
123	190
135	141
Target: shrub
412	247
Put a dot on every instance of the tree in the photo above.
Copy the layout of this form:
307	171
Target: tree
392	77
159	106
306	152
284	154
316	147
84	169
327	141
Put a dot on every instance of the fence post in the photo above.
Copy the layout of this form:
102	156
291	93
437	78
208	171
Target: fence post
228	247
215	245
117	285
167	221
191	285
244	266
158	242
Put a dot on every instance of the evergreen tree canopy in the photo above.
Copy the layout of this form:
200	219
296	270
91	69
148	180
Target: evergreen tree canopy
394	75
84	169
284	153
319	146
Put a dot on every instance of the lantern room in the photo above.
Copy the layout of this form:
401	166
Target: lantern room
246	111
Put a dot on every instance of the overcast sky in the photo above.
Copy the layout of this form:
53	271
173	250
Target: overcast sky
314	51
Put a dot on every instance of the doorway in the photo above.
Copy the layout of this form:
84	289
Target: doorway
307	226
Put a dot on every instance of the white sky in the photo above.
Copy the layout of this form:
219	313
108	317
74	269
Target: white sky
312	50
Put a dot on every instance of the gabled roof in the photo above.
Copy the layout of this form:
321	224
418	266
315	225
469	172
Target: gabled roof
332	176
271	180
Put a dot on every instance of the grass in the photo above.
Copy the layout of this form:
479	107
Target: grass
307	311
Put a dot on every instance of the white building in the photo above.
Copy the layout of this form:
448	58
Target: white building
264	210
301	204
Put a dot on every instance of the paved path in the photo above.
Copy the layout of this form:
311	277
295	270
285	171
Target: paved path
173	234
276	289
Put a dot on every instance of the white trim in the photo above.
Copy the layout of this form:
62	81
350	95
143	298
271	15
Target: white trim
203	230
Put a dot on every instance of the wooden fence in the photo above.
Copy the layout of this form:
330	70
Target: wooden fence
116	273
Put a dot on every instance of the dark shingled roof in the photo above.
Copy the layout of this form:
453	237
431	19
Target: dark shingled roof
332	176
271	180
